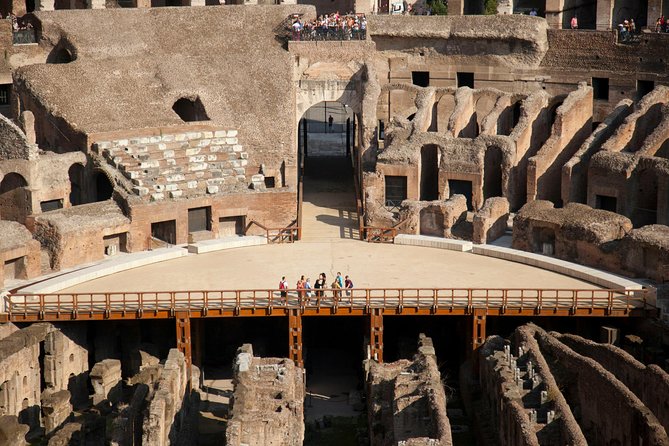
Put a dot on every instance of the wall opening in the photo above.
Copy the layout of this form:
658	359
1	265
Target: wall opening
492	172
199	219
631	9
461	187
645	212
165	231
115	243
600	88
60	55
15	269
420	78
465	80
429	173
76	176
544	241
396	190
585	12
382	131
432	222
229	226
526	7
190	110
270	182
103	187
606	203
13	200
643	88
51	205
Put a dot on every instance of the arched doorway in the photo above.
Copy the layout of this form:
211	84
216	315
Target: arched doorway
631	9
76	176
103	186
326	146
14	204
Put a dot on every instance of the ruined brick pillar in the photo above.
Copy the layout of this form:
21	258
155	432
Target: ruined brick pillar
654	11
605	14
554	13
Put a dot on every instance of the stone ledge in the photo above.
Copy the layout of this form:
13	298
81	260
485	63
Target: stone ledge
601	278
226	243
434	242
121	262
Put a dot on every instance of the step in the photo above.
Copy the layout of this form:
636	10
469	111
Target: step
116	264
434	242
592	275
222	243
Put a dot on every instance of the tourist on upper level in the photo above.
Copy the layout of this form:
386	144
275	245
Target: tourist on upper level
348	284
574	23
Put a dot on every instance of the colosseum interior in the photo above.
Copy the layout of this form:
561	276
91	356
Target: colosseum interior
495	181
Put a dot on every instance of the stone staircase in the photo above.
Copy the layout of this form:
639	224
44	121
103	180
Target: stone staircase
181	164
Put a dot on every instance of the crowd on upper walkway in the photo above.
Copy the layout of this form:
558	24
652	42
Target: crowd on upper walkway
334	26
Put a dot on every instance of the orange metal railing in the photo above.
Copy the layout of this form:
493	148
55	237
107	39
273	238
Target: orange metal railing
498	299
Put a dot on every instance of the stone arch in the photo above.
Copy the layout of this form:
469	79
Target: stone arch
103	185
76	175
14	203
190	109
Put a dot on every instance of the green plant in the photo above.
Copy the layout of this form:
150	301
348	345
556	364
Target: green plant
490	7
438	7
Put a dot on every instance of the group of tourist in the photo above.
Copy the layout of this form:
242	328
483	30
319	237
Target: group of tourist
331	27
627	30
18	24
662	25
305	289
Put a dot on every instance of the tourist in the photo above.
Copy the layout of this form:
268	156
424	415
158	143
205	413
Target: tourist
336	287
283	288
319	285
348	284
330	122
632	27
574	23
340	280
297	29
307	287
300	289
533	12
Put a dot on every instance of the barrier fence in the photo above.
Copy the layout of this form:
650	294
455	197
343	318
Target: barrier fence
167	303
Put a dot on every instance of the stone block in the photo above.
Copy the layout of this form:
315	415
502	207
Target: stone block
56	409
232	134
211	189
197	167
191	184
106	381
157	196
231	141
220	134
193	151
12	432
175	193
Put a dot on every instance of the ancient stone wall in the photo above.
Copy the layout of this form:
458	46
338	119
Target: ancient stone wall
77	235
593	390
406	400
19	253
434	218
491	221
649	383
127	427
66	361
268	401
106	381
56	409
20	373
13	142
169	403
12	432
572	125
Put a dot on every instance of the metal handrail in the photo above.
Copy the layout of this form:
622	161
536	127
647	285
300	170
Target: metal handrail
278	235
502	299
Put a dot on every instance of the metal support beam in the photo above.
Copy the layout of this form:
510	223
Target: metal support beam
197	326
478	328
376	334
295	337
184	341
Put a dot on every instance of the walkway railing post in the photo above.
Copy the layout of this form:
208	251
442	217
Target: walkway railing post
184	341
376	334
295	336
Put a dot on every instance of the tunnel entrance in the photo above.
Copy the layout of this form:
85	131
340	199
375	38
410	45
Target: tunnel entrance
326	147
